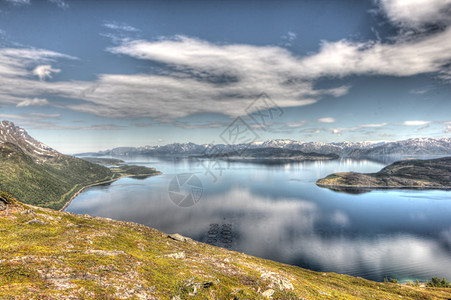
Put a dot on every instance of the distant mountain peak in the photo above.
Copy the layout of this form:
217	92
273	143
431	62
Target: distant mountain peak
10	133
409	147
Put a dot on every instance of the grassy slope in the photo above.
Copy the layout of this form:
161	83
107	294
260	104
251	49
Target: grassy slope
67	256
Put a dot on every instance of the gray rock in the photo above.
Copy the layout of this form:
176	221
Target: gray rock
268	293
178	255
36	221
180	238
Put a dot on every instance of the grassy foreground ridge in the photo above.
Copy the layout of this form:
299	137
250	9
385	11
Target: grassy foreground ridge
47	254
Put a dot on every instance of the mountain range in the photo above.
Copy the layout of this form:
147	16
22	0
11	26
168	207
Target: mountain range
410	147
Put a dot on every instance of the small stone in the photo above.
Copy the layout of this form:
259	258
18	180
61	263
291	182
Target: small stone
36	221
178	255
268	293
324	293
180	238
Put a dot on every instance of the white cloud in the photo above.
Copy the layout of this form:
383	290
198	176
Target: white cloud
288	38
45	71
372	125
221	79
417	13
340	130
419	91
213	78
60	3
415	123
326	120
19	2
296	124
33	102
404	57
120	26
45	116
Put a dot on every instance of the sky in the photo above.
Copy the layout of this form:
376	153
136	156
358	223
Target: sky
93	75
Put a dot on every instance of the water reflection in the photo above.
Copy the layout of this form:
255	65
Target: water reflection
277	212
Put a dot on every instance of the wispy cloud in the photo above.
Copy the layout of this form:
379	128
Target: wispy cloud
296	124
19	2
60	3
415	123
120	26
33	102
340	130
45	71
30	116
326	120
288	38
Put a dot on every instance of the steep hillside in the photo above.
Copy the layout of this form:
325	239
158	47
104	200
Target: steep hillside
36	174
46	254
412	173
50	184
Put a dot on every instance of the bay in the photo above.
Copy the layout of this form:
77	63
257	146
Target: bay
277	212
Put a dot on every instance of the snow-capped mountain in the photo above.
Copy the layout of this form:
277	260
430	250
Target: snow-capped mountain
9	133
416	146
410	147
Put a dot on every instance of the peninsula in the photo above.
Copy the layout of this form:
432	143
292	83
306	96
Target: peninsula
411	174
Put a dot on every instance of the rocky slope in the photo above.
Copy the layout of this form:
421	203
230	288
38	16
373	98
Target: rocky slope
9	133
412	173
46	254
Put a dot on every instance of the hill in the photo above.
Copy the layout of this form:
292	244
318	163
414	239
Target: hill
36	174
46	254
270	155
411	173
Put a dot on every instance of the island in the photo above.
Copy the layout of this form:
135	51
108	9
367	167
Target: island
404	174
269	155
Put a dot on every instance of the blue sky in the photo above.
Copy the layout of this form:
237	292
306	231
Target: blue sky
92	75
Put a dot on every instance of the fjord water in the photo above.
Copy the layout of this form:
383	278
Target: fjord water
277	212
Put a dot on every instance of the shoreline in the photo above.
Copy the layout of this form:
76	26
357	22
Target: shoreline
100	183
388	187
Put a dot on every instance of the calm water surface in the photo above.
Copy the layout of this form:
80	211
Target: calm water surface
277	212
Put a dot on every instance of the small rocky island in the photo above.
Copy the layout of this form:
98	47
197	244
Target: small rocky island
411	174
